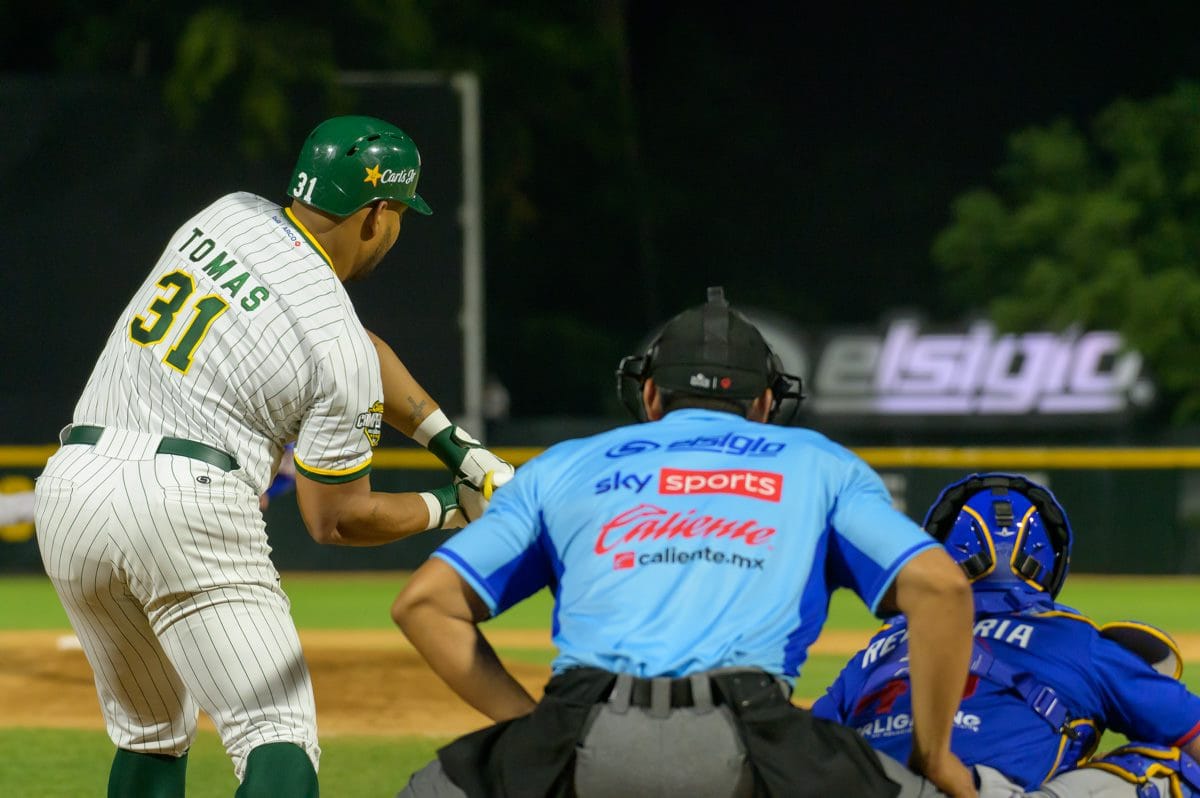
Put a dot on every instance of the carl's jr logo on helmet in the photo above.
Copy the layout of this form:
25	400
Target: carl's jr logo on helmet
404	176
375	177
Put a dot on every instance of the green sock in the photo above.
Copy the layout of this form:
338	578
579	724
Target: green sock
135	775
279	770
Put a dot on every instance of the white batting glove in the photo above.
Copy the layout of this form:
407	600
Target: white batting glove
484	472
462	453
473	501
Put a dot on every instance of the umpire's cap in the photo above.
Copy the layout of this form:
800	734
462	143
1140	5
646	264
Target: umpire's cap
349	161
710	350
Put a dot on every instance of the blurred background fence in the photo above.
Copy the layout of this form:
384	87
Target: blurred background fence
1132	510
976	236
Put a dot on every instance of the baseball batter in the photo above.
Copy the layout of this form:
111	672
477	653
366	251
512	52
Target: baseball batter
241	340
691	561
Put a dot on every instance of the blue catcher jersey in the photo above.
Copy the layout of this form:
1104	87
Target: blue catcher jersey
698	541
1057	686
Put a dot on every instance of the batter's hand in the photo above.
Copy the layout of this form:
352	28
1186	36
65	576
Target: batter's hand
484	471
474	501
477	471
466	457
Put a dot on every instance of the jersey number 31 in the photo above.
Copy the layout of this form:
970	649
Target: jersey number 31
157	320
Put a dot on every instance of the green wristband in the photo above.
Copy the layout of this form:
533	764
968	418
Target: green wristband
447	498
445	448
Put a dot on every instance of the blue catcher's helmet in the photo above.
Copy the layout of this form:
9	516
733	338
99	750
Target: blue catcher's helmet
1008	534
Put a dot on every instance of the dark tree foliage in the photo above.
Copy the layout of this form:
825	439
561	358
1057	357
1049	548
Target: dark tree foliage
635	153
1098	228
561	208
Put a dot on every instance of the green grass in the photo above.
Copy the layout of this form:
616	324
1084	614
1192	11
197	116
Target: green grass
54	763
29	602
319	601
362	601
343	601
818	673
1163	601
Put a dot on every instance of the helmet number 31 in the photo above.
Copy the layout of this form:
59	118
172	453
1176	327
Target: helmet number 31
304	187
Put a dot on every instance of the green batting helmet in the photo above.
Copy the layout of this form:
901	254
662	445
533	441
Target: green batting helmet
349	161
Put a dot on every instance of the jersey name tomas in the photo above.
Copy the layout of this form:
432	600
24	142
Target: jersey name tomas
199	247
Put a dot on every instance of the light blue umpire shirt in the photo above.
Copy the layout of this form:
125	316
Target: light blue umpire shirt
699	541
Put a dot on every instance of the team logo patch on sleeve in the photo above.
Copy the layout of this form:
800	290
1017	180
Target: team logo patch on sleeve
371	423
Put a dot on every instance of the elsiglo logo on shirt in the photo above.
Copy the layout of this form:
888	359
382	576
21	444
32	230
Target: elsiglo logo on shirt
730	443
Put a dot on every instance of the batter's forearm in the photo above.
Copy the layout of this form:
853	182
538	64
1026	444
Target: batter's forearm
377	518
405	403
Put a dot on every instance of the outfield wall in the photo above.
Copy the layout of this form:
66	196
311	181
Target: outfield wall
1134	510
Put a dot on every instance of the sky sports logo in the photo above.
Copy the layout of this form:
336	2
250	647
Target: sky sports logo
760	485
625	560
763	485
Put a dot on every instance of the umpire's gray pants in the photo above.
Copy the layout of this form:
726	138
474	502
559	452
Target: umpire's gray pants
432	782
1085	783
633	751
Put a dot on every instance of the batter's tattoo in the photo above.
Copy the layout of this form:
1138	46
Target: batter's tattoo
418	411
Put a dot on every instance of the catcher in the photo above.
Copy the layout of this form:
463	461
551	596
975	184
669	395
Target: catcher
1045	680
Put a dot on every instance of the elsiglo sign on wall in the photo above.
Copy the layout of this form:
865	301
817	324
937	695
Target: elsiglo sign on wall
976	371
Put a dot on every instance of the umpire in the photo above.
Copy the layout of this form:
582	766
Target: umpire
691	561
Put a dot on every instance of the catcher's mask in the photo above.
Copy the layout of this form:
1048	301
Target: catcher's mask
713	351
1005	532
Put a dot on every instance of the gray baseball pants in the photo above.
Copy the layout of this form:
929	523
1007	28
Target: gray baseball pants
1085	783
693	751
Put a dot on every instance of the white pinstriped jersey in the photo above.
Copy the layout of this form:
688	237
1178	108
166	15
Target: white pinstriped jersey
242	337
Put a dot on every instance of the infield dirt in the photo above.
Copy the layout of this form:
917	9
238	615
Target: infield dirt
366	682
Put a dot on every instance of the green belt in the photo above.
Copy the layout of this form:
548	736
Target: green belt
178	446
